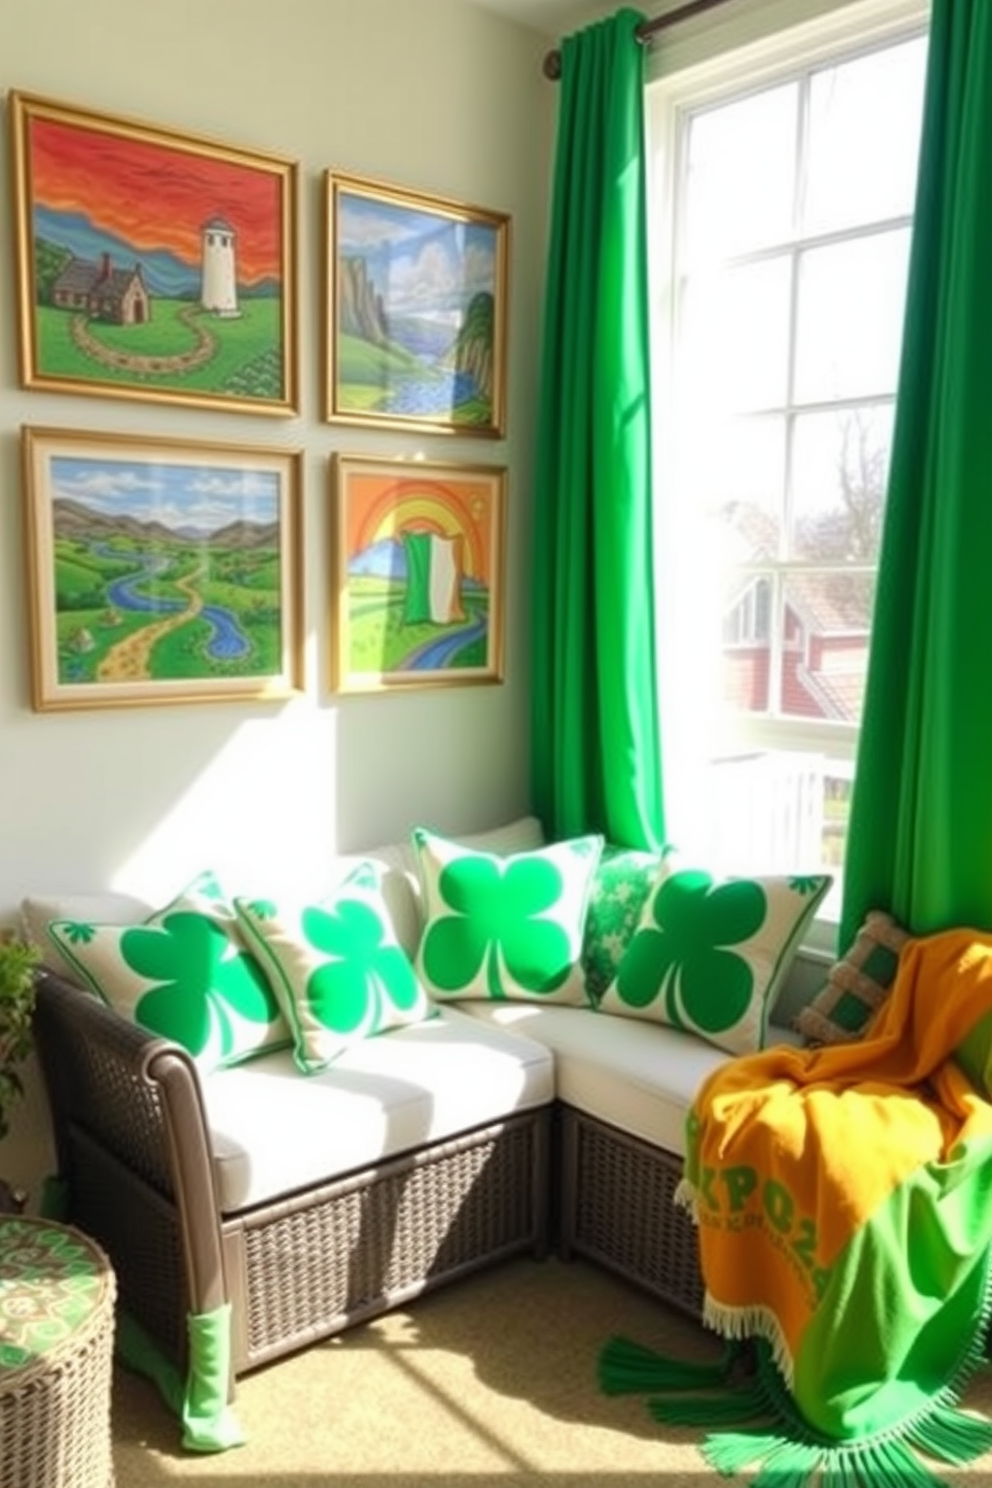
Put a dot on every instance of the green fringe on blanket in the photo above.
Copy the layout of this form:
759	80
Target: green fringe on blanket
745	1403
786	1451
952	1436
627	1368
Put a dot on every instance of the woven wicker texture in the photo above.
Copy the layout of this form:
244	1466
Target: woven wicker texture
606	1174
57	1294
356	1247
140	1231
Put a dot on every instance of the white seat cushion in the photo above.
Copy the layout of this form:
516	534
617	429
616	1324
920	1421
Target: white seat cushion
638	1076
275	1130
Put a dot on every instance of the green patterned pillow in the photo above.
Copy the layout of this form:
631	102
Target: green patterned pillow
856	985
711	956
508	926
620	885
338	969
184	974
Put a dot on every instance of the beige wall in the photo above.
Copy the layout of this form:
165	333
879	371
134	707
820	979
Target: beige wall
436	96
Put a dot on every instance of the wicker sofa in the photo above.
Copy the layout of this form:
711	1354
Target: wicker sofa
566	1132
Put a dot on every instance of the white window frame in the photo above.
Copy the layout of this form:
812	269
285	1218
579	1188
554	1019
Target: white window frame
730	56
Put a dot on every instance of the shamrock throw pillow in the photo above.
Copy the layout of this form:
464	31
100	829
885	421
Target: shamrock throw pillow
505	926
184	974
710	956
620	885
856	985
338	969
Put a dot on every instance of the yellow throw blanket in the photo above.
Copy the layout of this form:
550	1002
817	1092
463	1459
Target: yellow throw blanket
844	1205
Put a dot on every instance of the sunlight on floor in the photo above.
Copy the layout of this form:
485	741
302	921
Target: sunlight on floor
490	1381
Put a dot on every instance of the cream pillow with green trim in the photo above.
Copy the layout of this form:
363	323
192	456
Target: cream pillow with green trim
338	969
183	974
505	926
710	956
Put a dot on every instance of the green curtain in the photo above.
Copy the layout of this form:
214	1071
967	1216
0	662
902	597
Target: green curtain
596	749
920	839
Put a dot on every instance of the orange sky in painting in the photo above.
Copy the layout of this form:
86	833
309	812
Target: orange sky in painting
158	196
421	505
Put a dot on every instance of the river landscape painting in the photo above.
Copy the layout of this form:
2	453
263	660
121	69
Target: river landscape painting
417	308
160	570
418	573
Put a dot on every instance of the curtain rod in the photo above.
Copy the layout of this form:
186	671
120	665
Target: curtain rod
644	32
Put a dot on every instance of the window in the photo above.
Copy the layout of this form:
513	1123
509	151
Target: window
781	213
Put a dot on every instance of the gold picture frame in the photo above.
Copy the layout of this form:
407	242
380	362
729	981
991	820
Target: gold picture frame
417	291
418	573
152	264
161	570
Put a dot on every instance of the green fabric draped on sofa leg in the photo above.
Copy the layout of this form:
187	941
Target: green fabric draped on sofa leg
920	839
596	751
201	1399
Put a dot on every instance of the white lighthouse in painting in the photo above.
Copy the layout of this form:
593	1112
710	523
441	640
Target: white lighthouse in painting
219	288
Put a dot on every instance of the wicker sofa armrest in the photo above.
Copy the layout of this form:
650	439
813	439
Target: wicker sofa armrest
136	1099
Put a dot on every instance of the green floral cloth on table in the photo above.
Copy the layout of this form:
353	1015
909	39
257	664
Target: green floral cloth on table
52	1282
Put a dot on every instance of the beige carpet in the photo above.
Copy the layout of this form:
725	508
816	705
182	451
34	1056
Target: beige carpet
491	1381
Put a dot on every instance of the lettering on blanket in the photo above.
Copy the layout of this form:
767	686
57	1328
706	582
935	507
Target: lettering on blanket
733	1199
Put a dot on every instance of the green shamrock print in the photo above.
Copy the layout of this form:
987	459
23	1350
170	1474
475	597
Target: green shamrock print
364	971
686	958
79	933
495	922
620	888
198	982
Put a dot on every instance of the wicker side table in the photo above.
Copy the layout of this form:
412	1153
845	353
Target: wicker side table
57	1293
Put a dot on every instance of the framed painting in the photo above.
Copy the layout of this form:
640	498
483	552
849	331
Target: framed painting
160	570
152	264
417	310
418	573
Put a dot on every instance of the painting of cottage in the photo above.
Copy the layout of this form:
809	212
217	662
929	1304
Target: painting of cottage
190	300
118	296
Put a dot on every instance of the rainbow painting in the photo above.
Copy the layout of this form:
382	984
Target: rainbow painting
418	573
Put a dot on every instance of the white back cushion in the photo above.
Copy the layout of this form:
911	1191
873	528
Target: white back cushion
400	890
95	909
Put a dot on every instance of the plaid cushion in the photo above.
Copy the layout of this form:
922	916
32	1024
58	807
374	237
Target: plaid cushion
857	985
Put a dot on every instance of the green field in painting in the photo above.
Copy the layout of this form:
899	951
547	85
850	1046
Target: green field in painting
380	641
246	361
368	376
243	582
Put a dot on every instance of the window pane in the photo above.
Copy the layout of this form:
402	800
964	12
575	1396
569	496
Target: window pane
852	301
747	618
863	153
838	780
840	467
783	313
741	171
826	619
733	353
776	811
735	471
